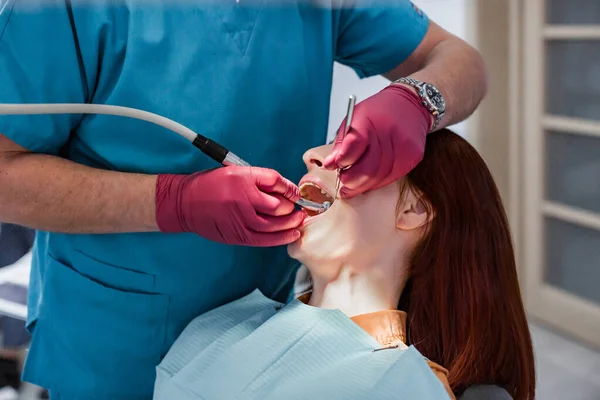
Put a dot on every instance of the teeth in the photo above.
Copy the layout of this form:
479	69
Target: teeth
323	191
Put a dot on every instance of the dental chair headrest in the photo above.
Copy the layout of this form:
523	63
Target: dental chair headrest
485	392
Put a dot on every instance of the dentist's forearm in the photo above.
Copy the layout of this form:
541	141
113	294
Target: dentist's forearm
453	66
459	72
52	194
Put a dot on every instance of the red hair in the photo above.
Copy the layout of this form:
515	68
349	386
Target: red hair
462	297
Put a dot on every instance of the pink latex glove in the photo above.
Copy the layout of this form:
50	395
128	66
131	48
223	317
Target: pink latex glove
234	205
386	140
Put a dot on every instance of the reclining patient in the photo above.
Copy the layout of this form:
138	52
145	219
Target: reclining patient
414	295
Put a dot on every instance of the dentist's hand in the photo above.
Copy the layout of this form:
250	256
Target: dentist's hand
234	205
386	140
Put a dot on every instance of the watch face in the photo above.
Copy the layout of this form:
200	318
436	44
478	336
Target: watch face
435	98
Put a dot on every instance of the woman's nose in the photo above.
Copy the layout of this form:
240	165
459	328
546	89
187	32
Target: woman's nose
313	158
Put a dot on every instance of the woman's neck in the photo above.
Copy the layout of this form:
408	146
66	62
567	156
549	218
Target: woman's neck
356	291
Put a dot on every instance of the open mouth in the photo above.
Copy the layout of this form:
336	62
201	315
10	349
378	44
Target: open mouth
313	192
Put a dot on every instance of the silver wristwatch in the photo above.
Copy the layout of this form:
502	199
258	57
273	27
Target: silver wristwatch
431	98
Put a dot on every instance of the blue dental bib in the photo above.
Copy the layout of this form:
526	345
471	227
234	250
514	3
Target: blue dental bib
256	348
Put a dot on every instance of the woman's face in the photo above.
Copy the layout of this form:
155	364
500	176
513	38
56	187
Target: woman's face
351	229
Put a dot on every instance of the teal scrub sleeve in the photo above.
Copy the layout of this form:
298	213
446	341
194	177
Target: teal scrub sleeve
39	63
376	36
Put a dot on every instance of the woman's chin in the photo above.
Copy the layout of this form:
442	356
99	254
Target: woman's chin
319	234
293	249
301	248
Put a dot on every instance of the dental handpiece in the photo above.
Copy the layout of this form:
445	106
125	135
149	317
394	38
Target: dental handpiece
209	147
313	206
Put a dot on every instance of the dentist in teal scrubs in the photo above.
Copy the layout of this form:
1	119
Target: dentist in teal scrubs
137	231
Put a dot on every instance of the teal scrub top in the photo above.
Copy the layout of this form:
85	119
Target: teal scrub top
255	77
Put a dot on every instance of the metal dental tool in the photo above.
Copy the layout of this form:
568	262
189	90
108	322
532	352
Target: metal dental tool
313	206
209	147
349	115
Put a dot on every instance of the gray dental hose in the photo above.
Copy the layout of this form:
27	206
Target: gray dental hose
212	149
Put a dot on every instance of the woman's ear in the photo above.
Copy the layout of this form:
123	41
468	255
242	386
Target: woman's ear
412	214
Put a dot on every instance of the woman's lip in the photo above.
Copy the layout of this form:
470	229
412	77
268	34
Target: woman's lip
317	181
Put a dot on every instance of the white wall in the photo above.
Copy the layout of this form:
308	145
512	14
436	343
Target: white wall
452	15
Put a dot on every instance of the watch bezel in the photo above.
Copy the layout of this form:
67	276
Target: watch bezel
425	96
